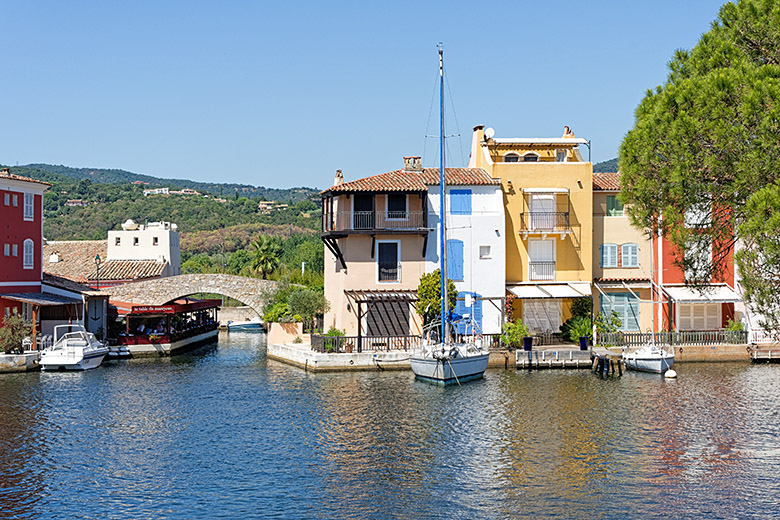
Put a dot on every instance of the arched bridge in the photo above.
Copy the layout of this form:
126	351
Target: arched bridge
250	291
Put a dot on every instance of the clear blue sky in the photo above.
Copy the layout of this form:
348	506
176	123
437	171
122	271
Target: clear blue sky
281	94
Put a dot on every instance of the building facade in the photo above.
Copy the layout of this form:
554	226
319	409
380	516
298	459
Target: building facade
548	205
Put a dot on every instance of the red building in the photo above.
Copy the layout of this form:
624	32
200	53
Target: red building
21	228
687	308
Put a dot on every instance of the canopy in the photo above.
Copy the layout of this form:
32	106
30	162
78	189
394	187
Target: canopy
707	294
41	299
559	290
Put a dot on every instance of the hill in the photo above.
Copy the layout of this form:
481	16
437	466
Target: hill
111	176
606	166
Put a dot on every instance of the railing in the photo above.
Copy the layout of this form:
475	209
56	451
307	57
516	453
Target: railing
373	220
764	336
544	221
541	270
390	274
348	344
688	337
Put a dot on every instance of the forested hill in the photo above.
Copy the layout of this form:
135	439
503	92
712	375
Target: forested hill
606	166
110	176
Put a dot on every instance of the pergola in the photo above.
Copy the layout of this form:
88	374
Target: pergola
38	300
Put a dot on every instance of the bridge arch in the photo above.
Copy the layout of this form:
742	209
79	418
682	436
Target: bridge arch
251	292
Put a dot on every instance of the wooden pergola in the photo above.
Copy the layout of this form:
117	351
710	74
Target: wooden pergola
38	300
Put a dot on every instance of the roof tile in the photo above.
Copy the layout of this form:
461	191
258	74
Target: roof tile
404	180
606	181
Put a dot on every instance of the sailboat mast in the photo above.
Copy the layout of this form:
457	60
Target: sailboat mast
442	237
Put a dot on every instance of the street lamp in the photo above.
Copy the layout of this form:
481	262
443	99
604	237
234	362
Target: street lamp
97	276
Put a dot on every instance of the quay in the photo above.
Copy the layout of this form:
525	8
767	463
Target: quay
25	362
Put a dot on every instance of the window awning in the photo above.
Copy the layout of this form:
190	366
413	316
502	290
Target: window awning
382	296
41	299
710	294
559	290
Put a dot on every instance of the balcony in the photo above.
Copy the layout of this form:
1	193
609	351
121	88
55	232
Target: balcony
374	222
541	270
544	222
389	273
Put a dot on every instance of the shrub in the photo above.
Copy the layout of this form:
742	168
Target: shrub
12	333
513	334
737	326
577	327
333	331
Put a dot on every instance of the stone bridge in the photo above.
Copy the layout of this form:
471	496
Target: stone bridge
250	291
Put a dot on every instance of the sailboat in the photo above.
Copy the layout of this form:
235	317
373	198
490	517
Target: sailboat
440	359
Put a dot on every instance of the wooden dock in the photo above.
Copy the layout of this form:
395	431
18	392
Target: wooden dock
768	354
561	357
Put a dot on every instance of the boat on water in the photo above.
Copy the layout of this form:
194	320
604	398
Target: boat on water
440	359
74	348
648	358
255	324
164	330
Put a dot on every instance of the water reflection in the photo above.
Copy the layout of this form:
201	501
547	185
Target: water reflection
225	433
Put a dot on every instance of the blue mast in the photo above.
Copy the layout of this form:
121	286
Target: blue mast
442	245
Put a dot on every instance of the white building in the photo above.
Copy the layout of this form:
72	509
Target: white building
476	256
155	241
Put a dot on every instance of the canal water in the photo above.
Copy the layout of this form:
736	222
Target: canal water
225	433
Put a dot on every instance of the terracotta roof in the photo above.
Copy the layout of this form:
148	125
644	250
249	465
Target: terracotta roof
128	270
77	258
12	176
64	283
606	181
403	180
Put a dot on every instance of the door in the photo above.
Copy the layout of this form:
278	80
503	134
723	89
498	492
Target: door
387	259
387	319
541	259
363	211
543	212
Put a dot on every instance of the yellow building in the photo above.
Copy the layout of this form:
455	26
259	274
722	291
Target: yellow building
548	203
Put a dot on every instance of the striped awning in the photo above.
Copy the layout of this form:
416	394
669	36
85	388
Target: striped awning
707	294
549	290
382	296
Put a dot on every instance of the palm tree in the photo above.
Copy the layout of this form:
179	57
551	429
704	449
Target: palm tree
265	256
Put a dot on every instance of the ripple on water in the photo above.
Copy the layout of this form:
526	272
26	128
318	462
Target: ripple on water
223	433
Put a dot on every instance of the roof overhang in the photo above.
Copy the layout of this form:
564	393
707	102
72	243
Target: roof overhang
369	296
545	190
41	299
549	290
715	293
543	140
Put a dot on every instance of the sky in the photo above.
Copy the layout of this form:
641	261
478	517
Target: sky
281	94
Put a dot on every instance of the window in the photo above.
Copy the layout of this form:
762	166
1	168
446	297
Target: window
541	259
698	316
511	157
15	199
609	255
117	241
154	241
531	157
387	262
29	254
484	251
396	206
15	250
626	306
455	260
135	241
699	215
7	249
629	255
560	155
614	206
29	208
7	199
697	259
543	214
460	202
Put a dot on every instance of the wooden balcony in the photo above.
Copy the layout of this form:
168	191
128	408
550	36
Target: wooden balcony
371	222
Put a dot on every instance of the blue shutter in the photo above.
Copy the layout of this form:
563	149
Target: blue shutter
455	260
476	312
461	309
601	254
460	202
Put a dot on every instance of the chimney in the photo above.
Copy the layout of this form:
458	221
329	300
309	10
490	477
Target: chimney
413	163
339	179
5	171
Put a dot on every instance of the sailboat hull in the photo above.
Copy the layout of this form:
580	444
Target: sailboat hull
449	372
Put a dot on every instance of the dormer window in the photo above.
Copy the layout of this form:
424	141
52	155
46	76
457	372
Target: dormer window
531	157
511	157
560	155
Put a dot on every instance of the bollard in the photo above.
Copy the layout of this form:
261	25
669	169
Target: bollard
612	366
595	363
620	367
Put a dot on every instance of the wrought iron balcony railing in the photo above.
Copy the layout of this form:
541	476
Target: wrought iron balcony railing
541	270
544	222
349	221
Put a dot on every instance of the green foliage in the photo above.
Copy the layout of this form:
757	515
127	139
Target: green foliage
736	326
580	310
578	327
608	323
429	294
609	166
276	311
759	256
307	303
513	334
334	332
265	256
12	332
709	138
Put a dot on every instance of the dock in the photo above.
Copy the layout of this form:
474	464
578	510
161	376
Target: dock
559	356
767	354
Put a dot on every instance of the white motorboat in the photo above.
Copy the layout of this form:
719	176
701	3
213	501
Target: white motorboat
649	358
444	361
74	349
255	323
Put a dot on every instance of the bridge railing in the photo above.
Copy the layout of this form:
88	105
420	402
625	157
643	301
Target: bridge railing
348	344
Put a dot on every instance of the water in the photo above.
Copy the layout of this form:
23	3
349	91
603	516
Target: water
223	433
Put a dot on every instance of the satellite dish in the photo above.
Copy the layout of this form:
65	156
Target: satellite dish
489	133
